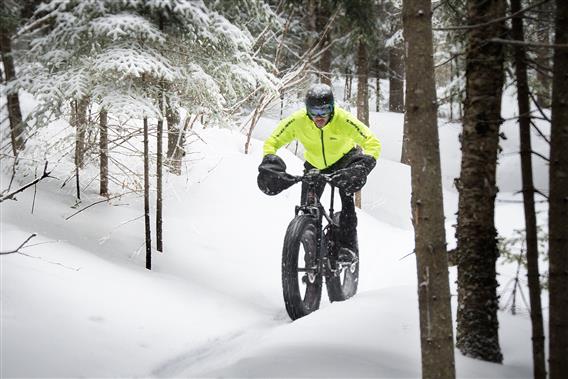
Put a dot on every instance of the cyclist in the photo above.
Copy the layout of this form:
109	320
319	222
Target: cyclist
336	143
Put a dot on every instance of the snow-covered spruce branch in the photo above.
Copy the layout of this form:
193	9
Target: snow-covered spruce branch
17	250
46	174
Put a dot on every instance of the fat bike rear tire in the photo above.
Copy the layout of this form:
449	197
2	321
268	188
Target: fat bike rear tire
342	283
301	274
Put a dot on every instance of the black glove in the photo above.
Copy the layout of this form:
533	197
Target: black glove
272	177
353	177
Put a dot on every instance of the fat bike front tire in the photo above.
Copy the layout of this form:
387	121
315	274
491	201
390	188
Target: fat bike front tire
301	275
342	283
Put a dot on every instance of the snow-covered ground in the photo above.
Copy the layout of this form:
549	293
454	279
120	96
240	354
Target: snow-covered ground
78	301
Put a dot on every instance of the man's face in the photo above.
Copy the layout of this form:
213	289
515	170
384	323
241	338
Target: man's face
320	115
321	121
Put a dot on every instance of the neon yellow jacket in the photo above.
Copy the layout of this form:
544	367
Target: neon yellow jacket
327	145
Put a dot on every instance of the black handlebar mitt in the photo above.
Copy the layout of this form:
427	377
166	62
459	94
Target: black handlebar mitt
272	177
353	177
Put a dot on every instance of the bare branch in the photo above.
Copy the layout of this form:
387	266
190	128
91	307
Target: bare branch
97	202
541	156
19	247
454	56
524	43
46	174
539	108
542	194
540	133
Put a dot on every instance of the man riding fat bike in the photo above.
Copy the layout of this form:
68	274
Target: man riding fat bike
336	143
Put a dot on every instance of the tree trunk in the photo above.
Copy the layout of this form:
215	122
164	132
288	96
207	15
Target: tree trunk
456	94
103	151
378	90
436	334
176	140
404	158
79	122
543	55
325	62
159	204
396	79
12	99
310	22
348	81
147	231
362	77
539	368
399	85
477	323
558	206
362	92
323	14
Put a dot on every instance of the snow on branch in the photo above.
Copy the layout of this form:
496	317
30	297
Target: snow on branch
135	62
125	25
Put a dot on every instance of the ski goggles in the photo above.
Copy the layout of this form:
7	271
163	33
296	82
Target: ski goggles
320	111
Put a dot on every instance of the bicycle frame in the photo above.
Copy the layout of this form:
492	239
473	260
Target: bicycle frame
313	206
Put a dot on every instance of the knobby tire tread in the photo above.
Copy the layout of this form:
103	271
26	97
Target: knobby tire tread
295	304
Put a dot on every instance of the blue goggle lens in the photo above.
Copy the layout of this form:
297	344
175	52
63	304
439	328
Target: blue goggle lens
320	111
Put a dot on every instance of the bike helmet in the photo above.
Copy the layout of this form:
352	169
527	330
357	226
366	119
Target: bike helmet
319	100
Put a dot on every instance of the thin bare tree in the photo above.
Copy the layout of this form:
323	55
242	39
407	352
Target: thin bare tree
520	59
147	230
103	152
362	92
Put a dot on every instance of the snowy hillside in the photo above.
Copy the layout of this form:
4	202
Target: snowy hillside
78	302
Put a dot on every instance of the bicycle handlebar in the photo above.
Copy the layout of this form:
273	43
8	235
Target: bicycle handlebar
312	176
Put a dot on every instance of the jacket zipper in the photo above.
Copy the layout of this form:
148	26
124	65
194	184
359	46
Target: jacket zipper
323	149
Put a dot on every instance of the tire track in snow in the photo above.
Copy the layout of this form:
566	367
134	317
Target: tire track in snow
219	352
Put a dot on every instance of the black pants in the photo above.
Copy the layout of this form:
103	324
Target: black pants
348	217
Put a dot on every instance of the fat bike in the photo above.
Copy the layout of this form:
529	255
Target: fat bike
312	254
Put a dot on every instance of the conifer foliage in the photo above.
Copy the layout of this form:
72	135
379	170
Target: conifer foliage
118	54
132	61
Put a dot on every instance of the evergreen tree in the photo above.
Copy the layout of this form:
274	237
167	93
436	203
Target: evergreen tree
477	323
117	54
